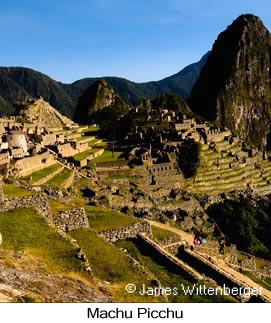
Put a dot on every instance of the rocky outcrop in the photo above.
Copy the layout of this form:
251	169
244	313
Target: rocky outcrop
130	231
234	87
168	101
97	96
29	281
71	219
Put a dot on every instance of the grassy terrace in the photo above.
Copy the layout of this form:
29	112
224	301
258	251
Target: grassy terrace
161	234
210	179
107	157
266	282
25	230
84	137
111	264
57	207
36	176
85	154
104	219
60	178
11	190
90	129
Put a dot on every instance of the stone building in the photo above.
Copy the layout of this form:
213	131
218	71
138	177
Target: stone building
17	153
31	164
17	139
4	158
160	171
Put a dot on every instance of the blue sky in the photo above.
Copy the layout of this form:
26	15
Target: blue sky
140	40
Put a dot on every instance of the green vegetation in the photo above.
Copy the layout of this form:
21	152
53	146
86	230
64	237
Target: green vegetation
247	225
11	191
23	83
90	129
101	218
57	207
107	157
60	178
36	176
85	154
266	282
25	230
111	264
173	102
161	234
168	276
188	158
107	262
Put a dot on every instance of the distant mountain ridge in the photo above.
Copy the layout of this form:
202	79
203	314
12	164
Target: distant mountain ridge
18	84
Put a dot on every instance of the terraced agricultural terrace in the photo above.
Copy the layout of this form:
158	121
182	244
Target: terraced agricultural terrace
219	171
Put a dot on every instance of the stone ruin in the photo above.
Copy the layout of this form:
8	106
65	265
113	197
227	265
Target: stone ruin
71	220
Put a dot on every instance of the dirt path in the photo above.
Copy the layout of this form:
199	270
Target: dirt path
185	235
218	263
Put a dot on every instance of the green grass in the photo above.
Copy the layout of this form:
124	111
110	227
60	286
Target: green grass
11	190
161	234
266	282
36	176
107	261
90	129
24	229
85	154
57	207
168	277
107	157
60	178
104	219
111	264
84	137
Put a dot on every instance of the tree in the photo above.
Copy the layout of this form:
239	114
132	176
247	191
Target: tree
188	158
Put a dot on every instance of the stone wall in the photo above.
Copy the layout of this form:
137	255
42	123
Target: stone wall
48	177
4	158
130	231
117	163
27	166
66	150
169	240
69	181
71	220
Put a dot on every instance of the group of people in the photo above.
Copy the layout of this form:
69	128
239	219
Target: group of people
198	240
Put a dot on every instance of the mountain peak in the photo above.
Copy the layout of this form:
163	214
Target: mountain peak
250	18
98	96
234	86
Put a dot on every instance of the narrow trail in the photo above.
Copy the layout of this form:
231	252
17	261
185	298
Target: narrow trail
185	235
221	265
